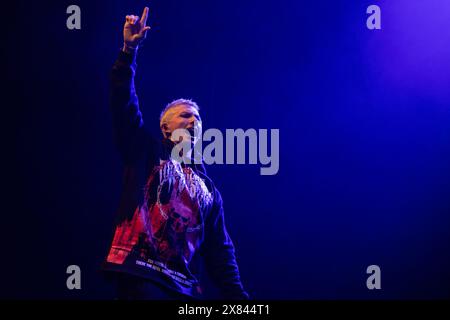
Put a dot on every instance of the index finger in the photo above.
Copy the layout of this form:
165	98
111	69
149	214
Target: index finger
144	17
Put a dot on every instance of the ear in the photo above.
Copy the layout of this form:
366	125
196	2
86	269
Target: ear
165	130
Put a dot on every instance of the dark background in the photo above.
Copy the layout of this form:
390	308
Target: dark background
364	121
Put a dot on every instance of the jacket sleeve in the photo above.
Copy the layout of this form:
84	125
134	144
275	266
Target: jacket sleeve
127	119
219	254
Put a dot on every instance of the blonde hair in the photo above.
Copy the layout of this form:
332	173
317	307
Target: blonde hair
175	103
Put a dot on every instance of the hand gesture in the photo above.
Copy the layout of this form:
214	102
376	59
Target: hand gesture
134	30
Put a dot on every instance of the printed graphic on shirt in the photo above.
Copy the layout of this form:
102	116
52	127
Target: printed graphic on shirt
167	228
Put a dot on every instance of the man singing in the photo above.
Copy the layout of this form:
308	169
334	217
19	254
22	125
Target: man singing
170	220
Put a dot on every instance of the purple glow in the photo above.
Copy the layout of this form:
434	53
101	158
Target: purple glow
412	50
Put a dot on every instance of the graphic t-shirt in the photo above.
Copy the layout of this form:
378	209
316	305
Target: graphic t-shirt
167	229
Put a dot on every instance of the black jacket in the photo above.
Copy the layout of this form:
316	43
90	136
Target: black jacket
170	220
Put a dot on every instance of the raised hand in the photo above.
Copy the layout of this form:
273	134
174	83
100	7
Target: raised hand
134	30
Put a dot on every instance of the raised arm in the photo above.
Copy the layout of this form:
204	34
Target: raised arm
127	118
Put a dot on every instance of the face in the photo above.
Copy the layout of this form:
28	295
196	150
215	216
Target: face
181	117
